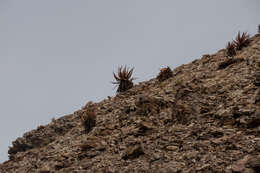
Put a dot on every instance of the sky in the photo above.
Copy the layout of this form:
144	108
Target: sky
55	56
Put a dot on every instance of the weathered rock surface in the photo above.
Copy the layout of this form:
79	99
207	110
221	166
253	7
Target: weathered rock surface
205	118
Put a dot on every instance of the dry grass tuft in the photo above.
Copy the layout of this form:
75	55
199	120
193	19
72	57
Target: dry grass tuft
231	49
241	40
165	73
124	79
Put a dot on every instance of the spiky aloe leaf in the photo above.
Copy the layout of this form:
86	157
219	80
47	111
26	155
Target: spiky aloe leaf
241	40
123	78
231	49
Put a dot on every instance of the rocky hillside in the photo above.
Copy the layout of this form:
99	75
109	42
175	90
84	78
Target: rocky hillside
205	118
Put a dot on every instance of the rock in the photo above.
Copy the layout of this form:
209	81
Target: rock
133	152
248	170
228	62
172	148
44	169
254	163
257	79
240	165
143	127
254	120
97	145
222	140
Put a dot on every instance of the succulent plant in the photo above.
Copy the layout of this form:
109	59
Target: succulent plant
124	79
231	49
241	40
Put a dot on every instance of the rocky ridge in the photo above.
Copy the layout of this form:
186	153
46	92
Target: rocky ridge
205	118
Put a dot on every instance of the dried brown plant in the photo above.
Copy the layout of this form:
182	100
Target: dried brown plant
164	74
88	116
258	29
241	40
231	49
124	79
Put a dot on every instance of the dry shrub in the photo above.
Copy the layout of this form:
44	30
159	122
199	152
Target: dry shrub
231	49
241	40
258	29
165	73
124	79
88	117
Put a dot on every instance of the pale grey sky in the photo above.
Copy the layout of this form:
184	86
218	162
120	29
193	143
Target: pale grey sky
57	55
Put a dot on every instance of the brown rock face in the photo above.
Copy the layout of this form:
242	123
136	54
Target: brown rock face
203	118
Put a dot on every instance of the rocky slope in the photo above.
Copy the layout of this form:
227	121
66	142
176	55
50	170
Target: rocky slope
205	118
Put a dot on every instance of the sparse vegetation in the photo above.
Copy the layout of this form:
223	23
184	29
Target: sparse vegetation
124	79
88	117
165	73
231	49
241	40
